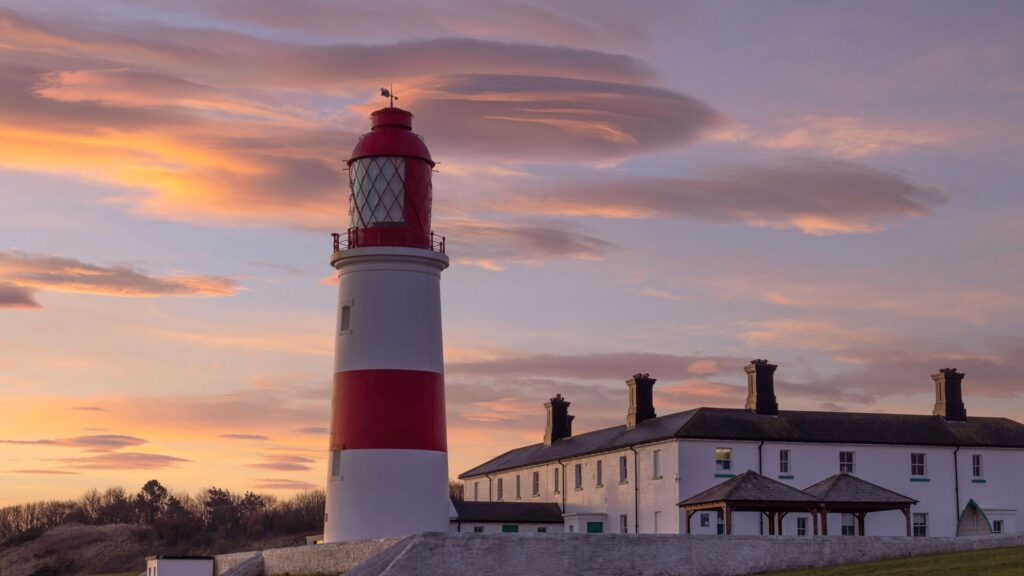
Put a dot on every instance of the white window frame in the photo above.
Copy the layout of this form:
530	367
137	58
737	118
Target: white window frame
848	524
623	470
623	524
848	467
919	524
705	519
478	529
336	464
785	469
345	317
723	460
501	489
656	465
578	476
476	491
519	487
997	526
536	483
801	526
657	517
919	469
600	473
558	479
977	466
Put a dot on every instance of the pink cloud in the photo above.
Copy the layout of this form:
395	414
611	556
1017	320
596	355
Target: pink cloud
124	461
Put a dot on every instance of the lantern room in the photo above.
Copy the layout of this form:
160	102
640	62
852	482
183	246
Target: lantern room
390	178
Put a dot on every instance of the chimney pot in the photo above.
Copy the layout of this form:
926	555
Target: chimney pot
761	388
641	399
559	421
949	400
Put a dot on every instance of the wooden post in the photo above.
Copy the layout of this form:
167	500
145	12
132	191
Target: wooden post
689	515
906	513
814	517
781	515
860	523
728	520
824	521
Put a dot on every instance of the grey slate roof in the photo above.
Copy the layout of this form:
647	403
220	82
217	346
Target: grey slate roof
751	487
788	426
849	489
509	512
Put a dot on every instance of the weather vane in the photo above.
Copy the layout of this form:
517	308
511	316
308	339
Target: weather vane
389	95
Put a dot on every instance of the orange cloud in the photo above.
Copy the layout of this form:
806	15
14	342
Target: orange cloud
124	461
98	443
850	137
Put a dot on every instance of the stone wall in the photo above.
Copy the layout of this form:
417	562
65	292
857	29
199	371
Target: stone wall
596	554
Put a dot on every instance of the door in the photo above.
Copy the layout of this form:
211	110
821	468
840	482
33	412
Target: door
595	527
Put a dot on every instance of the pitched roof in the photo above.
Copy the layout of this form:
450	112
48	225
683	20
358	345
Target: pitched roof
788	426
511	512
848	489
751	487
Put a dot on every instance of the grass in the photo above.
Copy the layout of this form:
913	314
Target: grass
994	562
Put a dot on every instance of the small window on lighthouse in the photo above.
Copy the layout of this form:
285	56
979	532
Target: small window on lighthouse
345	322
336	463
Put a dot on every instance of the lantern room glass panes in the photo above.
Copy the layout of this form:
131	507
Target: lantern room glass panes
378	192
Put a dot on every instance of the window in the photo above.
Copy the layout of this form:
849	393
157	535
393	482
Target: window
801	526
997	526
595	527
723	460
623	470
336	464
705	519
600	474
920	524
478	529
510	528
536	483
657	519
656	464
346	319
572	528
977	466
918	465
784	469
542	529
558	480
378	191
476	491
519	493
849	525
578	476
846	462
720	522
623	524
501	489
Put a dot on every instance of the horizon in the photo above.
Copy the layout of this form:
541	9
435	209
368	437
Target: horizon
670	188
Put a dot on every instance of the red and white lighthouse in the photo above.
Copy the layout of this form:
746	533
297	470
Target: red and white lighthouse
388	468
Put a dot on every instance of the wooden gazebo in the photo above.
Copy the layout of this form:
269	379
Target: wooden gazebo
752	492
849	494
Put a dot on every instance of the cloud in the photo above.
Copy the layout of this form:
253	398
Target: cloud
848	137
814	196
90	408
599	366
68	275
284	462
545	119
124	461
45	472
14	297
94	443
493	245
284	484
314	430
245	437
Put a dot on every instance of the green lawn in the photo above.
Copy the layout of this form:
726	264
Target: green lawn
995	562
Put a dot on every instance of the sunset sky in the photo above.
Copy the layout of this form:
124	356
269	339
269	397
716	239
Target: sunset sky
663	187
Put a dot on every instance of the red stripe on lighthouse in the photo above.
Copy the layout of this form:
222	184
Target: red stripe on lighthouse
399	409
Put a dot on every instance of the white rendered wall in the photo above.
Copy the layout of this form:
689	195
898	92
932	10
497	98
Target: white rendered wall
180	567
391	492
496	527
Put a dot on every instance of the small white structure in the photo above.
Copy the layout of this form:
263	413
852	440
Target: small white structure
506	517
179	566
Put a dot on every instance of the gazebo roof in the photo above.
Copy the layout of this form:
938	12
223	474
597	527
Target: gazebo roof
850	490
751	487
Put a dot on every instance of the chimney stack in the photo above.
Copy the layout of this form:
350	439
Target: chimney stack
559	421
949	400
761	388
641	399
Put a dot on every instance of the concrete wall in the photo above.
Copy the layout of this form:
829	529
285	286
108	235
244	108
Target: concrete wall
319	559
646	555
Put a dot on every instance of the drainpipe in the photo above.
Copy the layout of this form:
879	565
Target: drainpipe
760	517
561	481
636	491
956	484
490	496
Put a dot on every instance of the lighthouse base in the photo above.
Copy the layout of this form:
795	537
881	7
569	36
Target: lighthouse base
383	493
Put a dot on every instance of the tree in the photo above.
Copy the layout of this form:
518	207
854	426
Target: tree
456	490
150	500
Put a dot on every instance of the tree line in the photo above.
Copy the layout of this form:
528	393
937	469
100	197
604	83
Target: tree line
176	518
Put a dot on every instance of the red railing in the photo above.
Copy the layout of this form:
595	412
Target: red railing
352	240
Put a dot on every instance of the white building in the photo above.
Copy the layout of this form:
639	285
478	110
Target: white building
964	473
179	566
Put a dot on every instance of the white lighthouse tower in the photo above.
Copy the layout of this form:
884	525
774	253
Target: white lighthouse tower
388	468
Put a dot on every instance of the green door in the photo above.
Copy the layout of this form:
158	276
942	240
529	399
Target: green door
595	527
511	528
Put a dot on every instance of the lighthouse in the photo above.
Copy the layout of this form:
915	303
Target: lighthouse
388	463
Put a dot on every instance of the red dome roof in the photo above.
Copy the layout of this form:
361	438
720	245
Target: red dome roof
391	135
